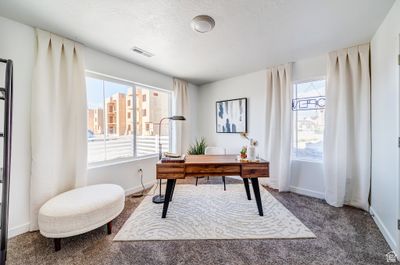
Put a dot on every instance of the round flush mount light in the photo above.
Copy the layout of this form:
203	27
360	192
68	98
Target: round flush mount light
202	23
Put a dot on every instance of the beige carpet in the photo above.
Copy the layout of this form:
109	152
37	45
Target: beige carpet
209	212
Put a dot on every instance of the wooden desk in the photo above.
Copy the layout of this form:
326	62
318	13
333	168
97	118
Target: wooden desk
213	165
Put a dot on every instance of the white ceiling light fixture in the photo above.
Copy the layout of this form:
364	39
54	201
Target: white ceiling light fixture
202	23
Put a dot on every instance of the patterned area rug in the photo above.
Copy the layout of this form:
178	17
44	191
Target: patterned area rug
209	212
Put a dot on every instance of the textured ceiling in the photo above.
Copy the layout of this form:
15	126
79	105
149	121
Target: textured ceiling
248	36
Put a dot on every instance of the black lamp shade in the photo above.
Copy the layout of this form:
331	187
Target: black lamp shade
177	118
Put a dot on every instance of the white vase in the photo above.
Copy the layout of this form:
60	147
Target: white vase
251	151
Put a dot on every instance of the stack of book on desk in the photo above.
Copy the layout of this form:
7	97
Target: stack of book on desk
172	158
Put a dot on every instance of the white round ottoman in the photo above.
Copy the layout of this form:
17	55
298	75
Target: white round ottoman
80	210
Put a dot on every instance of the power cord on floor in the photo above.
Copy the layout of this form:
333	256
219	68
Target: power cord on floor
141	193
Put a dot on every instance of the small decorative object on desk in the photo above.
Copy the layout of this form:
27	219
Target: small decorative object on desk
168	159
171	155
243	152
252	148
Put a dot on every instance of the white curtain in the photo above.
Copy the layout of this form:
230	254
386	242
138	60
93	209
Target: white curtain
181	129
58	120
278	125
347	139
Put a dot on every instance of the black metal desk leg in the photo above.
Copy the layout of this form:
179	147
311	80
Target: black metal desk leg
246	186
173	189
168	195
256	189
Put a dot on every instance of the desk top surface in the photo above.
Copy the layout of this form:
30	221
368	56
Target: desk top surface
216	159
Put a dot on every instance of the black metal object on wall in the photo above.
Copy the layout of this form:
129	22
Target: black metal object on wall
6	95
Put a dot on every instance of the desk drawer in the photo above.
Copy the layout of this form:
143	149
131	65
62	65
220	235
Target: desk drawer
220	170
170	171
255	170
171	168
170	175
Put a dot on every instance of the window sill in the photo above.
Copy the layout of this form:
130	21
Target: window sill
120	161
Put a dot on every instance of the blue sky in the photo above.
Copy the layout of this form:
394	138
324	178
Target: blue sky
94	88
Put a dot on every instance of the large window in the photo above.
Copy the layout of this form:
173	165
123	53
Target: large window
118	129
308	107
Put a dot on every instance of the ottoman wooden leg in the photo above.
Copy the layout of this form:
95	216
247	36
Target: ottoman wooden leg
57	244
109	228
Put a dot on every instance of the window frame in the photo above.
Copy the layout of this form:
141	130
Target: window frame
134	85
295	121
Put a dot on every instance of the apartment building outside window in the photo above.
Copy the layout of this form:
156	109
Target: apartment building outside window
308	106
111	134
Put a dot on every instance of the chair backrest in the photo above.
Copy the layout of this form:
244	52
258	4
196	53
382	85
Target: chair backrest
215	150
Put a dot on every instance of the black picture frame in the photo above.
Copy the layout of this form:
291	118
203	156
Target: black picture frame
218	128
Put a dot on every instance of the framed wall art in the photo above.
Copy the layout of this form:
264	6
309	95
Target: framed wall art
231	116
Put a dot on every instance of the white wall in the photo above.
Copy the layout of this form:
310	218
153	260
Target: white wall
125	174
385	126
251	86
307	177
19	45
310	68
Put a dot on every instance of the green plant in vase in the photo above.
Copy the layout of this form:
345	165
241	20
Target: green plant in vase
198	148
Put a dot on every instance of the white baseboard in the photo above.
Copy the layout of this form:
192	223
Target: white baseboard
388	237
18	230
307	192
